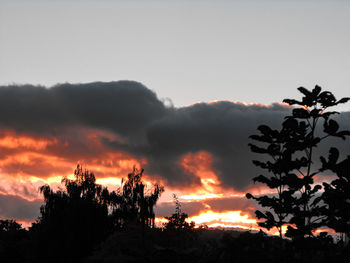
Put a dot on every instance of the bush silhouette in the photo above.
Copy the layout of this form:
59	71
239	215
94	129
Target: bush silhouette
177	221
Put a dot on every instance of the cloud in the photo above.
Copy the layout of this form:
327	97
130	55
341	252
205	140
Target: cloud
216	204
123	107
221	128
101	121
12	206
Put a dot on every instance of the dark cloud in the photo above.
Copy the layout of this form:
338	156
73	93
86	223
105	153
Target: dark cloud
124	107
144	127
12	206
221	129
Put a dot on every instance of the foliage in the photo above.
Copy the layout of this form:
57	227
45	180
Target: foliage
337	194
84	213
9	226
12	241
177	221
291	151
135	203
77	217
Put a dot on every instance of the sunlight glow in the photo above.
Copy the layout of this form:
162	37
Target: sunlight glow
228	219
109	181
201	196
209	216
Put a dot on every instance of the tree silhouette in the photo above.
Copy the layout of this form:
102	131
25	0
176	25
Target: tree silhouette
73	220
337	194
132	203
291	152
13	241
177	221
77	218
9	226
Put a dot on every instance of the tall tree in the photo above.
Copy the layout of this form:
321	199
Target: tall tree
134	202
72	220
291	152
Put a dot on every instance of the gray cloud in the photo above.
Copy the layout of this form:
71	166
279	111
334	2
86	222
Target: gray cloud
145	127
12	206
124	107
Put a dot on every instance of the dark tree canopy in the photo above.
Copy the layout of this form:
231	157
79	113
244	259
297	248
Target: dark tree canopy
84	213
9	226
77	217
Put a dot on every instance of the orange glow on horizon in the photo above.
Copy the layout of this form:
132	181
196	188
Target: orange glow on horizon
231	217
227	219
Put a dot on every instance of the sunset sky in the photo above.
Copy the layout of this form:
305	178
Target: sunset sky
175	87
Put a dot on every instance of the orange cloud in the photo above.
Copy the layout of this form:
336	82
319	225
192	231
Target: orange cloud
200	164
13	141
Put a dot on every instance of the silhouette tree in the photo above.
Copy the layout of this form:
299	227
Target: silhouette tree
291	163
132	203
72	220
337	193
177	221
13	240
9	225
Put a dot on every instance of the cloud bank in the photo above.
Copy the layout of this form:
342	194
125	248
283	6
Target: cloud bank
80	121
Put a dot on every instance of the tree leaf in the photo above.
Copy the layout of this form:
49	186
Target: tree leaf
264	129
343	100
306	92
292	102
326	99
257	149
316	90
330	127
301	113
342	134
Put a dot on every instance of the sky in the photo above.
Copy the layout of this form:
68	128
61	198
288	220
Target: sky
188	51
112	84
